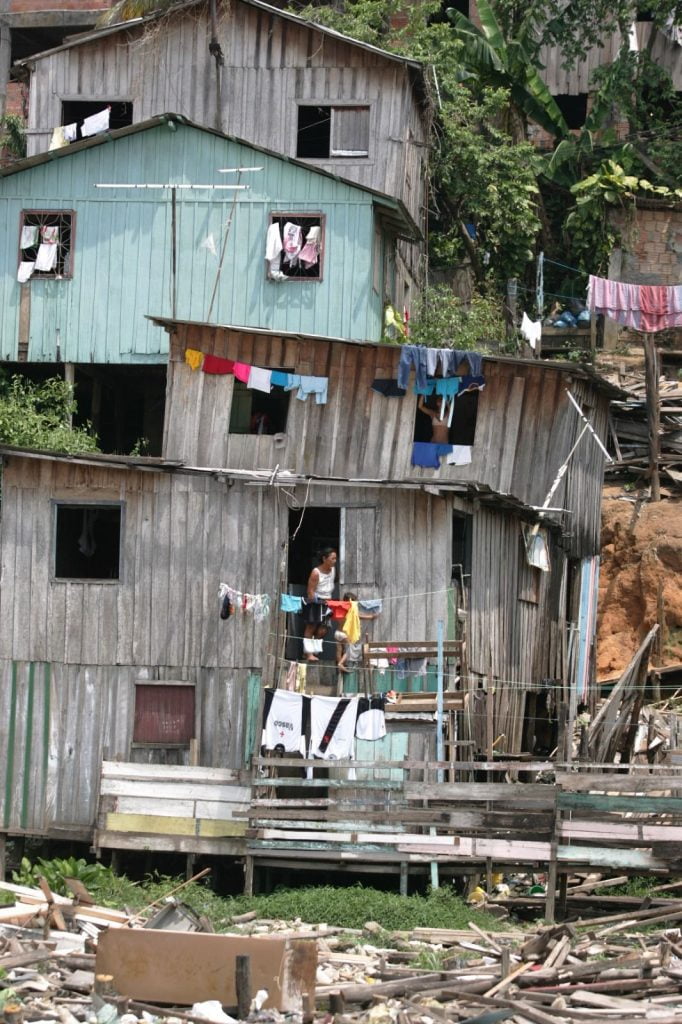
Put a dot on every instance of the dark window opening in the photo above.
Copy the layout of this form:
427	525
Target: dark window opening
319	528
87	542
463	427
125	406
461	546
27	41
256	412
164	714
314	132
303	247
75	112
46	242
458	5
332	132
644	14
574	108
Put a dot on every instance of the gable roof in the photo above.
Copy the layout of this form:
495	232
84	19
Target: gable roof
124	26
393	211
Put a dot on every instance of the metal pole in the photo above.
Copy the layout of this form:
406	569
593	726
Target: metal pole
440	746
588	425
174	253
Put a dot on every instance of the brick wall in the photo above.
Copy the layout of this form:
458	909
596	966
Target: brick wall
651	245
17	99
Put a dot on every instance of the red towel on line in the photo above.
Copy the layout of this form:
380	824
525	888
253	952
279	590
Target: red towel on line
339	609
214	364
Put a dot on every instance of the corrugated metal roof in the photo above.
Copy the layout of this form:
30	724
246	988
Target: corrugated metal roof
395	211
124	26
276	478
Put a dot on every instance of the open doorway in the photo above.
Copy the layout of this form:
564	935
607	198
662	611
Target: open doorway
319	528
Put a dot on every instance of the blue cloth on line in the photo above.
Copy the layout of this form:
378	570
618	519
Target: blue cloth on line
280	379
412	355
428	454
474	359
428	388
313	386
447	387
372	604
294	381
289	603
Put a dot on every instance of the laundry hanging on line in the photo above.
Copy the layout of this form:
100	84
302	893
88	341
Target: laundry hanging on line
426	361
428	455
643	307
260	378
257	605
288	247
332	723
292	603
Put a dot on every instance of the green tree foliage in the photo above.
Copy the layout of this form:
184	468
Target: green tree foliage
480	174
13	136
506	60
482	178
36	416
441	320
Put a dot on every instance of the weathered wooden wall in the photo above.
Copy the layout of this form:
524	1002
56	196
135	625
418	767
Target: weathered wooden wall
183	535
577	76
72	651
272	64
59	721
525	428
122	245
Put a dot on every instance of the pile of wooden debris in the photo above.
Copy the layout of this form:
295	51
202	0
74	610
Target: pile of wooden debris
625	966
628	427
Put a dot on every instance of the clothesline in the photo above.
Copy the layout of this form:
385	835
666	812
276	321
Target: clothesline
643	307
259	378
324	727
552	685
64	134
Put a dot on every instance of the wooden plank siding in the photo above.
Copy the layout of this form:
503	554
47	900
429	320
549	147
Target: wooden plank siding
123	240
575	77
525	426
272	64
59	722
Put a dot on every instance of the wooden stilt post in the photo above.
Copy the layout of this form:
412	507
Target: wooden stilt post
248	876
653	413
242	984
403	877
550	901
563	894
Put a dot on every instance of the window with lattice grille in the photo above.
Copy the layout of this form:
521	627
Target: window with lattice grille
46	243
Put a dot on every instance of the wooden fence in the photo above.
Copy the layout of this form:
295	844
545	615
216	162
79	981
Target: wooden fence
506	814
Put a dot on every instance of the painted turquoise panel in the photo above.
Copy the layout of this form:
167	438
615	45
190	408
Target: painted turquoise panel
123	247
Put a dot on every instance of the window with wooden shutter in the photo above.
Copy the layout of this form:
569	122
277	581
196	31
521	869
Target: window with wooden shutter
325	131
164	714
350	131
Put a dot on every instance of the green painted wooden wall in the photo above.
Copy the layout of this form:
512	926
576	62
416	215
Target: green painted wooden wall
122	248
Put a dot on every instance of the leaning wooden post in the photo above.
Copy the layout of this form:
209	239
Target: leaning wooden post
653	413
